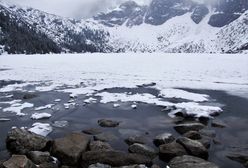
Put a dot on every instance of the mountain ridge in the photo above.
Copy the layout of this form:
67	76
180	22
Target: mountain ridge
162	26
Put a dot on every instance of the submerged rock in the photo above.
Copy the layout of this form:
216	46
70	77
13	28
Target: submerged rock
163	139
21	141
19	161
240	157
218	123
143	150
194	147
171	150
92	131
190	162
105	137
69	149
186	127
99	146
108	123
113	158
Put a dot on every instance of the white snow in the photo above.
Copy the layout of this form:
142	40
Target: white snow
90	100
169	71
57	100
134	106
38	116
17	108
177	93
42	129
48	106
115	105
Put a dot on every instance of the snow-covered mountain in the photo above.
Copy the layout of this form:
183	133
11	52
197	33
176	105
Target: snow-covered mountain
162	26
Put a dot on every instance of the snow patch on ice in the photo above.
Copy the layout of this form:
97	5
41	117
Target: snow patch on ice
38	116
178	93
48	106
42	129
192	108
17	108
90	100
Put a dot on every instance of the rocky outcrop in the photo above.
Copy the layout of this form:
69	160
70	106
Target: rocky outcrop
99	146
20	141
190	162
19	161
163	139
171	150
143	150
108	123
186	127
113	158
69	149
194	147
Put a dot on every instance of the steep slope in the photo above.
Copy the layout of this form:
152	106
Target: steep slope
17	36
71	35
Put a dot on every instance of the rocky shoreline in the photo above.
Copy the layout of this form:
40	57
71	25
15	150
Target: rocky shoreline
90	148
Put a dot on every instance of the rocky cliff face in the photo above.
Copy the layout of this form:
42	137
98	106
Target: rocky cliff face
162	26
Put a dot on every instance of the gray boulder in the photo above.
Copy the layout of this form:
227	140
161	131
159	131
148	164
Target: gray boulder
171	150
163	139
190	162
194	147
143	150
69	149
108	123
135	139
21	141
39	157
240	157
113	158
186	127
195	135
19	161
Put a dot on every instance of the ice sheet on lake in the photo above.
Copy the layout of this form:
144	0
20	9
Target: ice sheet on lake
41	129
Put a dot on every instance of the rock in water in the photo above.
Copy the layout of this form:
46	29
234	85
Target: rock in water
171	150
108	123
240	157
186	127
39	157
194	147
113	158
218	123
19	161
143	150
69	149
190	162
21	141
163	139
195	135
99	146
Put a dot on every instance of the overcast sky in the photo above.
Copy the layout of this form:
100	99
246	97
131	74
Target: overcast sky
73	8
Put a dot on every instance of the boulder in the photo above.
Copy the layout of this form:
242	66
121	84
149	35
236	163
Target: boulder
186	127
39	157
205	142
19	161
135	139
171	150
108	123
48	165
208	133
163	139
218	123
92	131
69	149
194	147
113	158
99	146
240	157
143	150
195	135
20	141
105	137
190	162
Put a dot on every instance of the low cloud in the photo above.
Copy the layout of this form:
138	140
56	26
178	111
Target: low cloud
73	8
